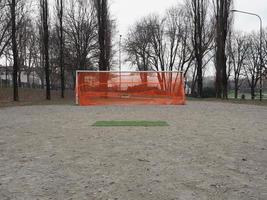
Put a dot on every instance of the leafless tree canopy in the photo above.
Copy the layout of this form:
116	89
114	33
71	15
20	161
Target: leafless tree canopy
5	24
48	43
53	42
202	29
160	43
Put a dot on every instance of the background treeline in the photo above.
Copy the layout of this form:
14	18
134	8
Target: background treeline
50	40
197	38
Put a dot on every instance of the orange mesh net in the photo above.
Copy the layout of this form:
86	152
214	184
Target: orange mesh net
137	88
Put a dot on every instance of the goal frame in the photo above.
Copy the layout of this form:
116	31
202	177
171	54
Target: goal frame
118	72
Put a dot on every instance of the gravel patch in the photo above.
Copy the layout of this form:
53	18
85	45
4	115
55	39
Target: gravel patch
212	151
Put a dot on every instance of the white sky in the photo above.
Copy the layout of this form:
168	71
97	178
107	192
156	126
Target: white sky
128	11
246	22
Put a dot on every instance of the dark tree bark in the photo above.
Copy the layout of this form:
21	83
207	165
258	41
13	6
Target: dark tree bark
15	50
44	11
222	12
202	37
104	35
252	91
198	20
104	39
62	70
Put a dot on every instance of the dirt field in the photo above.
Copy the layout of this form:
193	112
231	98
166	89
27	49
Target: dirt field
214	151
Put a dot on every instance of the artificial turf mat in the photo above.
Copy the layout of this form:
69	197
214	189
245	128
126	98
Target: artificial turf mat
130	123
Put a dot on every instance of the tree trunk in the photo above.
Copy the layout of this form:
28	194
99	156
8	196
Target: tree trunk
199	10
7	76
62	73
46	48
193	84
28	81
199	78
103	40
236	88
103	35
19	79
252	91
218	82
222	29
236	92
15	51
224	75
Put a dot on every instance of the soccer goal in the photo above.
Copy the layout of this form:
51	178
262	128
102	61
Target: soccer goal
136	88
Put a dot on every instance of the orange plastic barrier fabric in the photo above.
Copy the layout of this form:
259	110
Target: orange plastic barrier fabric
129	88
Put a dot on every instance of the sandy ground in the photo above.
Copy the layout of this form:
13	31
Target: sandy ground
209	151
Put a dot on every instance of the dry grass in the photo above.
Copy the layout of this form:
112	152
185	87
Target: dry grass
37	97
34	97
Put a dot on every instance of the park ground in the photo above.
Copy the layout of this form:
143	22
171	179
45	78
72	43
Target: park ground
210	150
37	97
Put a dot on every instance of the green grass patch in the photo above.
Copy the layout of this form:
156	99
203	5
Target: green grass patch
131	123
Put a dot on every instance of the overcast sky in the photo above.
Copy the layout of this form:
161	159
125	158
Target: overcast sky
128	11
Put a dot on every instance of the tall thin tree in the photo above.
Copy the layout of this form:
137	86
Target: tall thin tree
104	35
61	45
199	15
222	15
15	50
44	17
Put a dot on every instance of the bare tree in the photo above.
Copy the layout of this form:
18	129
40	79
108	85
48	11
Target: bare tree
5	24
81	35
104	33
238	52
137	46
252	69
178	33
13	4
31	45
156	29
202	28
160	43
222	16
155	26
23	23
39	53
44	17
60	10
23	36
